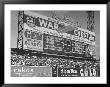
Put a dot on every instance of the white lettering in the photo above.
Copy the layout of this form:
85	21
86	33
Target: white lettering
43	23
15	70
94	72
81	72
50	25
86	72
90	71
68	71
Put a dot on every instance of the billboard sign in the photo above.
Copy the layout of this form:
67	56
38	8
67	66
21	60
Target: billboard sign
36	20
31	71
66	72
72	72
32	39
46	71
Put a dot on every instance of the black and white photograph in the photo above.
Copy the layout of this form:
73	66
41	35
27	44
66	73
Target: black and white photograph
55	44
59	43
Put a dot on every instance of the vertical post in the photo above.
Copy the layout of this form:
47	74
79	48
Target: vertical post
90	20
20	30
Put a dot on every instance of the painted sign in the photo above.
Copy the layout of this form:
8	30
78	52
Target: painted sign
32	39
36	20
31	71
73	72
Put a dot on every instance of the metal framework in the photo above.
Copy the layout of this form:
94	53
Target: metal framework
20	30
90	20
90	25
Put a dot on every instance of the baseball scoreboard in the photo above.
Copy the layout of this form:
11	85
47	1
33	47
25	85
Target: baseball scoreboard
41	33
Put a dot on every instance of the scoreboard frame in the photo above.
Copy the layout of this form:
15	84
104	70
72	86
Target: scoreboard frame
47	29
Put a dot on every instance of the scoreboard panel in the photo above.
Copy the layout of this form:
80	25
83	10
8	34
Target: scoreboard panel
32	39
63	46
41	34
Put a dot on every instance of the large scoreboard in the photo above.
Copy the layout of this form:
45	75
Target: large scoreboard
41	33
63	46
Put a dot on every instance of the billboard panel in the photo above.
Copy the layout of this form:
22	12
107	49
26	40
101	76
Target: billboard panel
31	71
72	72
67	72
32	39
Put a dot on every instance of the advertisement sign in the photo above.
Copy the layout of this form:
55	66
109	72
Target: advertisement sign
89	72
44	71
31	71
33	19
72	72
67	72
32	39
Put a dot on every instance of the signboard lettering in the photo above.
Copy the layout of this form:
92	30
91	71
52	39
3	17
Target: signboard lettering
31	71
66	72
32	39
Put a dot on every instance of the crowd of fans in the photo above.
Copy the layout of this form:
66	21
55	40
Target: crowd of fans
27	60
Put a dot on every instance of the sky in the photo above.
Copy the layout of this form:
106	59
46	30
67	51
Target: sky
80	16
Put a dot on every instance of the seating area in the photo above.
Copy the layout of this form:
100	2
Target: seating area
27	60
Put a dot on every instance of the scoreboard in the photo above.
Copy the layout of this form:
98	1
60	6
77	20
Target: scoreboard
41	33
63	46
53	44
